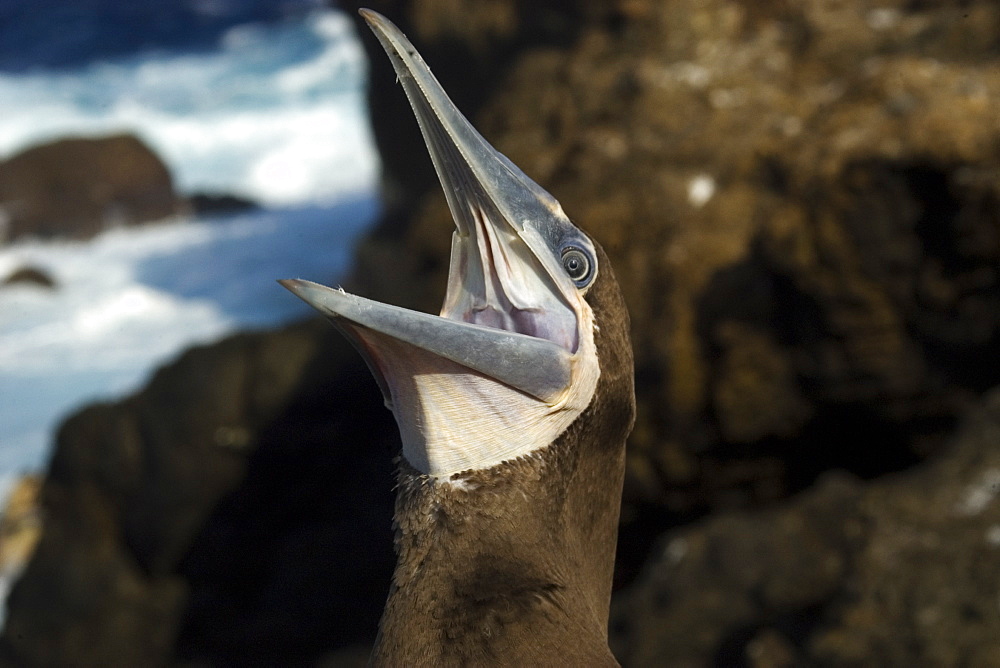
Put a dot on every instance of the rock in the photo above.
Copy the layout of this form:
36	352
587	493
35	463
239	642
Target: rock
78	187
30	276
351	657
20	528
216	204
797	199
456	37
898	572
238	509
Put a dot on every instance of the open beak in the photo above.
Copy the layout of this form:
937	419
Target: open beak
511	312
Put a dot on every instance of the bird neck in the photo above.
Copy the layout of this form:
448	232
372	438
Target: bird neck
511	564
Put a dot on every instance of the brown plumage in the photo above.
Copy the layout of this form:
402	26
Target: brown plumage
513	407
514	565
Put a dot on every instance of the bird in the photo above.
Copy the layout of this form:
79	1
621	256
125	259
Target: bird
513	407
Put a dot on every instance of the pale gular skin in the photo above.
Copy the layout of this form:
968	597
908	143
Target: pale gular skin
512	565
513	408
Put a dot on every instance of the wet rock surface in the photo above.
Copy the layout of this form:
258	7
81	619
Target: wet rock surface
800	201
219	204
29	276
78	187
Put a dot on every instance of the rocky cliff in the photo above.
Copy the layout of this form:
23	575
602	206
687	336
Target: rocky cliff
801	202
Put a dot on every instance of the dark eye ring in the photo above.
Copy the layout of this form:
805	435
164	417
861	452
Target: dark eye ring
578	266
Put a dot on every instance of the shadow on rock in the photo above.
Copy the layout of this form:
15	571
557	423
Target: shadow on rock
236	511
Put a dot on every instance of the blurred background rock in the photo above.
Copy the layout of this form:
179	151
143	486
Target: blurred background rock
802	203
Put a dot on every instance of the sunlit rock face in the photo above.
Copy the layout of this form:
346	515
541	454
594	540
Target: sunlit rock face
20	528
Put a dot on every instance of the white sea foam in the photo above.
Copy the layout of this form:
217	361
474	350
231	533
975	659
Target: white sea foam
275	113
130	299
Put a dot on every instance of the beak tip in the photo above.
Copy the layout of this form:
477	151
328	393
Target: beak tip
369	15
299	288
328	301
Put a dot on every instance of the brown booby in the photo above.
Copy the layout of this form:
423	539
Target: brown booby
513	406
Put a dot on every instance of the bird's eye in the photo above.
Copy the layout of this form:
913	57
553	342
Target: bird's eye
578	266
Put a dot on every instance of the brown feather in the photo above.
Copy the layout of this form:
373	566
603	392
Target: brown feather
512	565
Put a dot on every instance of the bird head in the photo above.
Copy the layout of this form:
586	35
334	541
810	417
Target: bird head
511	360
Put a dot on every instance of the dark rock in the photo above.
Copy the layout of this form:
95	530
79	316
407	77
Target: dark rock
901	572
78	187
31	276
216	204
351	657
238	509
458	39
803	255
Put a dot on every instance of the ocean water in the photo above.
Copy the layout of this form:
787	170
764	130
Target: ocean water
259	99
52	34
131	299
273	111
